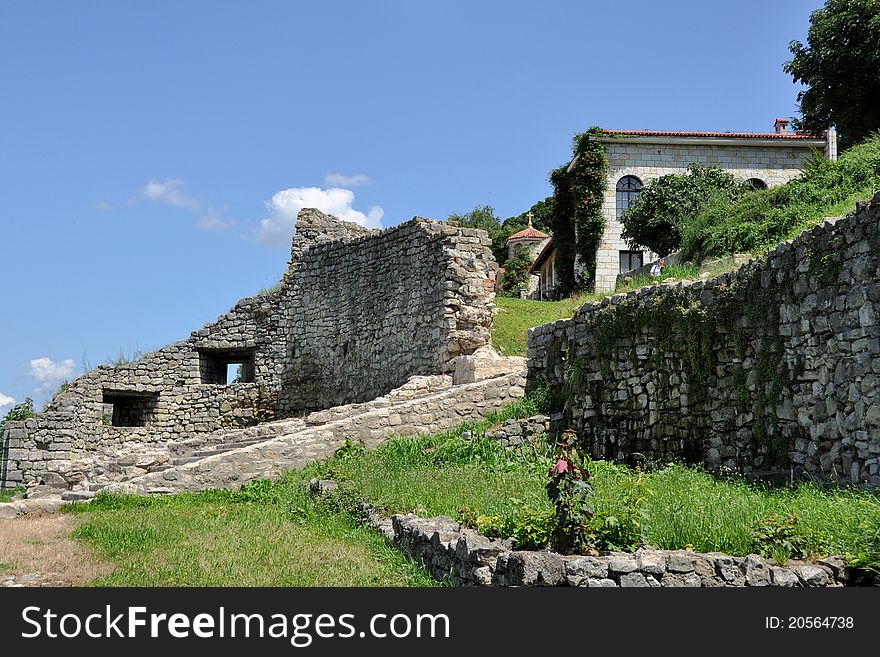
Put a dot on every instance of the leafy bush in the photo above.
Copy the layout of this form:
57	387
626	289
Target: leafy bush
619	519
19	412
779	536
532	529
668	203
761	218
516	273
577	220
570	491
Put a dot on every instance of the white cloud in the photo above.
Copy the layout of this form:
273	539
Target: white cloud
341	180
48	373
279	226
171	192
213	220
6	400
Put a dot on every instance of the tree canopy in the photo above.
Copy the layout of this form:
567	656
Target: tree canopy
484	217
667	204
840	65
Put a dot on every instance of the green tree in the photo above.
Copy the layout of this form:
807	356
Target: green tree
840	65
667	204
516	272
542	212
19	412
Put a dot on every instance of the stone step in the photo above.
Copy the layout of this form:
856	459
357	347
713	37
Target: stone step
227	447
77	495
183	460
211	452
96	487
243	443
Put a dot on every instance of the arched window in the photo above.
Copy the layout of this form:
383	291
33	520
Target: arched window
756	183
628	189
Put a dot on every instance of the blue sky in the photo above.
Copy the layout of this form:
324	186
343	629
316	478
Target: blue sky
154	154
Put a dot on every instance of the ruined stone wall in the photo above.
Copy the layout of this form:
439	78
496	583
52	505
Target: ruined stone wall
357	313
366	313
772	366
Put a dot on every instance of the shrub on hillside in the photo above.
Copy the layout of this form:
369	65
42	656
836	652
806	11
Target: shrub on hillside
668	203
516	273
762	218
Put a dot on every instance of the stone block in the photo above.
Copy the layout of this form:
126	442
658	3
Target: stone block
535	569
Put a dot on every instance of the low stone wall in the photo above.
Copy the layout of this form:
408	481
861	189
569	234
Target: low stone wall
466	558
770	367
272	458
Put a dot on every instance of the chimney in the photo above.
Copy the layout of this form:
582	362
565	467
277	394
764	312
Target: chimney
781	126
831	144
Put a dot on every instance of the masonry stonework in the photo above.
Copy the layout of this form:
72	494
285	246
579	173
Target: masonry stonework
773	366
461	556
357	313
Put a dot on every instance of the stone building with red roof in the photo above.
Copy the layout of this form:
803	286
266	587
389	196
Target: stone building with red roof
532	239
638	156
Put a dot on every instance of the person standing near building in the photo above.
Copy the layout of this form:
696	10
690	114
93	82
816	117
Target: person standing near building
657	269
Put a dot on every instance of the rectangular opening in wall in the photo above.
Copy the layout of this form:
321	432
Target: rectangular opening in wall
630	260
226	366
124	408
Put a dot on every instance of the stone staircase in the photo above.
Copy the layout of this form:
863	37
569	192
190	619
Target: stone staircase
196	449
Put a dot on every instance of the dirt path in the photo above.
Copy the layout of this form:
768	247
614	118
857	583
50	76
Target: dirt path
37	550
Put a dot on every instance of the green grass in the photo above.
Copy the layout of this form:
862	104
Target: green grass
8	494
680	507
266	535
515	317
690	507
763	218
678	272
6	567
275	534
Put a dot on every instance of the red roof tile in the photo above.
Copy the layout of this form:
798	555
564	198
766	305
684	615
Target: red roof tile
530	233
719	135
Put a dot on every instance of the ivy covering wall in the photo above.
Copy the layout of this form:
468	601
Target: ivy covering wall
577	220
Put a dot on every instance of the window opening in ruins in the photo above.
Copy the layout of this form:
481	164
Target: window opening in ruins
125	408
630	260
756	184
628	189
226	366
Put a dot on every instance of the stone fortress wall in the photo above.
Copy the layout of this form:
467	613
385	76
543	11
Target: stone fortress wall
648	158
356	315
773	366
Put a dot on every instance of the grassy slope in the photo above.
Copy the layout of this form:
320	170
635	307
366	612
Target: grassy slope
277	537
516	316
274	534
682	506
764	218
